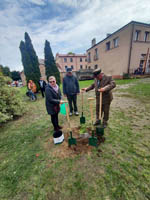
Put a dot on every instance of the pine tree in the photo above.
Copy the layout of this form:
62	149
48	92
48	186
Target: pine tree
30	60
50	65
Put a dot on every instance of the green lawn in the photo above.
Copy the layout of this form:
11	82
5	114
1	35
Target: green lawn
30	169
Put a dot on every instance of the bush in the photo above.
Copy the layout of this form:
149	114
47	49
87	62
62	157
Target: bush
11	103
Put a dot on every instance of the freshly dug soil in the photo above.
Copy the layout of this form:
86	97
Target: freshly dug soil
63	150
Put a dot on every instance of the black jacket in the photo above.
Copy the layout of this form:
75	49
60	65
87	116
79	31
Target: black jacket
52	100
70	85
44	85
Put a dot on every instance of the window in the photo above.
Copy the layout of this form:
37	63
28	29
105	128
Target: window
72	67
89	67
86	66
115	42
96	66
89	57
80	59
96	54
85	59
66	67
107	46
65	59
71	59
137	34
81	67
146	36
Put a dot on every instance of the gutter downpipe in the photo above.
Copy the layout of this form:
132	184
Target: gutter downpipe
130	50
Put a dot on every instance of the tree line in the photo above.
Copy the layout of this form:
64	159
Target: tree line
31	63
15	75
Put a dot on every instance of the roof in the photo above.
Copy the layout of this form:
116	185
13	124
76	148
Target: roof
132	22
71	55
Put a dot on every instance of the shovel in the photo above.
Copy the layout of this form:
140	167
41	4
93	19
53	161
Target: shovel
71	140
99	128
92	140
82	118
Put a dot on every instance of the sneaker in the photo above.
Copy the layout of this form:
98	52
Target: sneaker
70	114
76	113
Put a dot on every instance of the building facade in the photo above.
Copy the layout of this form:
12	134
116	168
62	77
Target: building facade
122	52
75	61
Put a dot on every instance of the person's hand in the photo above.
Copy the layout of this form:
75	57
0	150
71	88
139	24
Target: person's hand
65	95
83	89
78	93
61	101
101	90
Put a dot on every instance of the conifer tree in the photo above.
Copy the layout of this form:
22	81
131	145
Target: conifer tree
30	60
50	65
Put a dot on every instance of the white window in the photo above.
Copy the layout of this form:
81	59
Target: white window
116	42
146	36
137	35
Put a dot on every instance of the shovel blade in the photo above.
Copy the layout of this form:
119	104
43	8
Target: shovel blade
99	130
93	141
82	120
72	141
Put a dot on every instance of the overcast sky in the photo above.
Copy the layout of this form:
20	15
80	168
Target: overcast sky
69	25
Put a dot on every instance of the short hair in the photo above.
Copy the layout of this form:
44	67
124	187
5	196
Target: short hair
51	78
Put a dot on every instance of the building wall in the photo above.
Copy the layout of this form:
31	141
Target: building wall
126	56
139	47
76	63
114	61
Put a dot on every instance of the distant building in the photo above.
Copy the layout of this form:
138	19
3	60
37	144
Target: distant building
75	61
121	52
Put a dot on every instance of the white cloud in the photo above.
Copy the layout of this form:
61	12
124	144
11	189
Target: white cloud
37	2
95	18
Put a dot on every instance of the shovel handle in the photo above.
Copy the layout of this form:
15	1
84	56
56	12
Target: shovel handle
67	114
100	106
82	100
91	110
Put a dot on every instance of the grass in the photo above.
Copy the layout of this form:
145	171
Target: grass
30	170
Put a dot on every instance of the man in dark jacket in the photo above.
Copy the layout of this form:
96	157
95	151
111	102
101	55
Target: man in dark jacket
70	90
42	85
102	84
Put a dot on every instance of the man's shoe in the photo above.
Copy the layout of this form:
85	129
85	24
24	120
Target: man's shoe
96	123
105	124
76	113
70	114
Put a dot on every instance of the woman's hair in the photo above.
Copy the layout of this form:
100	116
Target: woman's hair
51	78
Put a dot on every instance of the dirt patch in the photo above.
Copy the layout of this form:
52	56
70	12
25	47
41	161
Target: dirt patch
63	150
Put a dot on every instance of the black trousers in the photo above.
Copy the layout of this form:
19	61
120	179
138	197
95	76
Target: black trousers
42	91
72	99
54	120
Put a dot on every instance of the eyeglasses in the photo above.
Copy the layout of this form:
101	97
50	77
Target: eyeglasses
52	81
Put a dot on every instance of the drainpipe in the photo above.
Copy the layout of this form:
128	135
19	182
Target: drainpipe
130	50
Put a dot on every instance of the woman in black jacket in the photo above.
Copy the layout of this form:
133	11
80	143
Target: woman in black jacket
53	101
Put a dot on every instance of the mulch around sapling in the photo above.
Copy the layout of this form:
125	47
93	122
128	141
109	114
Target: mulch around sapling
63	150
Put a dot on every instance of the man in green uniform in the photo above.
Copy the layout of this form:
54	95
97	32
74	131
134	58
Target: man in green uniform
102	84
